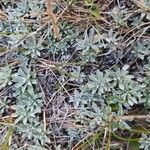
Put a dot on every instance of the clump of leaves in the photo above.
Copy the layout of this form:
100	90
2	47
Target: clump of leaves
99	82
32	47
89	45
61	47
141	49
5	76
4	104
145	142
115	90
95	97
118	16
29	104
24	78
77	75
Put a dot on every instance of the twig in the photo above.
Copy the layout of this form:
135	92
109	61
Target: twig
143	24
141	5
131	117
3	16
104	139
75	147
65	9
53	19
44	120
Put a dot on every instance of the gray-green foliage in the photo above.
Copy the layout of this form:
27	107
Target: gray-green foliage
68	36
89	45
141	49
4	104
119	16
33	47
145	142
5	76
77	75
97	95
22	78
115	90
126	91
29	104
146	2
99	82
146	83
92	43
34	131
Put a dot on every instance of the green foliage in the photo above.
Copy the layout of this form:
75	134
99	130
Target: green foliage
29	104
81	98
90	45
94	8
34	132
146	2
126	91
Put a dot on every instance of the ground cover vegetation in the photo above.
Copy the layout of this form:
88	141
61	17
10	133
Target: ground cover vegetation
74	74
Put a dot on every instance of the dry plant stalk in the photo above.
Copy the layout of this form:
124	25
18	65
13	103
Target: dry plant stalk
140	3
132	117
3	16
53	19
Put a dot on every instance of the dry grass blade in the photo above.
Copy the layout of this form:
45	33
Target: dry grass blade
78	145
8	132
53	19
3	16
132	117
140	3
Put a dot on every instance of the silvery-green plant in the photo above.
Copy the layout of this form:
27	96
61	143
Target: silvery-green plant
118	16
145	142
119	76
4	104
77	75
28	105
33	47
5	76
99	82
68	35
89	45
129	94
96	97
34	131
141	49
24	78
